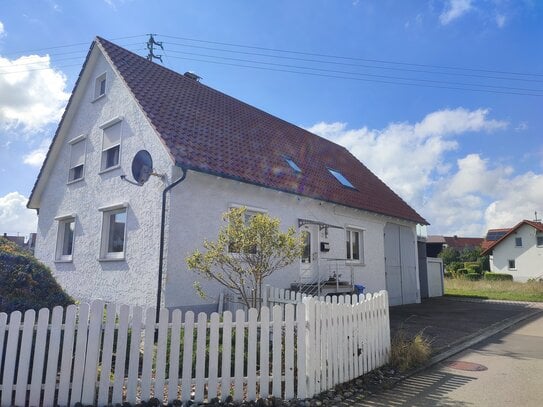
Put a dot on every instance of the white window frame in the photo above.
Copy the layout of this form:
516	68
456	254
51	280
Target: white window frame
103	157
350	229
107	212
61	230
79	139
98	94
518	241
509	264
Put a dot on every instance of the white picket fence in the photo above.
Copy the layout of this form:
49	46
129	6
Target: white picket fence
101	354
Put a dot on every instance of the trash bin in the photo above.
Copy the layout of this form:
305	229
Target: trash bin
359	289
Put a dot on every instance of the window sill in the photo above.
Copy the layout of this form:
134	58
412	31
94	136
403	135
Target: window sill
75	181
106	259
354	263
63	261
103	95
115	167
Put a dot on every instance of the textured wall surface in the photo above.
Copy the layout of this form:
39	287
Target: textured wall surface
197	207
528	258
132	280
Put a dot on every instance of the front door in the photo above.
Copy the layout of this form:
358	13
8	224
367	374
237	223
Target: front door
310	255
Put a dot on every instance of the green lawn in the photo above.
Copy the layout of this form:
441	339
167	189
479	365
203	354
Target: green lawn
495	290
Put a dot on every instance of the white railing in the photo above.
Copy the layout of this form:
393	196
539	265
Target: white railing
102	354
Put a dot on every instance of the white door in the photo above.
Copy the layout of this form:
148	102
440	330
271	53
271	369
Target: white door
310	256
400	264
435	277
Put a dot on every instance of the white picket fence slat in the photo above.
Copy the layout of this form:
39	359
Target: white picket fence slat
106	354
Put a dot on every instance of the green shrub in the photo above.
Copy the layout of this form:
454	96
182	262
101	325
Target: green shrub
473	266
448	274
498	276
25	283
455	265
473	276
462	272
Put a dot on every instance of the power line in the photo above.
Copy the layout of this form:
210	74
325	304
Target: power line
356	65
353	58
361	79
363	74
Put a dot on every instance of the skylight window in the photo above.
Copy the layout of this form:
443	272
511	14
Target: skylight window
341	178
293	165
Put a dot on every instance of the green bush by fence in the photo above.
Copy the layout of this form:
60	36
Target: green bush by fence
472	276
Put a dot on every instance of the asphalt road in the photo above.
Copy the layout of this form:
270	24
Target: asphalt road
514	369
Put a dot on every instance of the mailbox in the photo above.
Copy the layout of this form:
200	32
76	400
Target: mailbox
325	247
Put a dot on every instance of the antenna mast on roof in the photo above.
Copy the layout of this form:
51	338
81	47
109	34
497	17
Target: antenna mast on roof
150	46
535	218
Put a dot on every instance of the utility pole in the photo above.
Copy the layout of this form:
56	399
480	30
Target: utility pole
150	46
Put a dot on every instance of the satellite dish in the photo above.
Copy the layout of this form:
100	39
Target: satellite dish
142	166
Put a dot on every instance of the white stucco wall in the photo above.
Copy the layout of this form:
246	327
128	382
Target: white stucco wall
528	258
196	208
132	280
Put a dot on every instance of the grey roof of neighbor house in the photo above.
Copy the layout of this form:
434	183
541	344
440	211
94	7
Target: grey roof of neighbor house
208	131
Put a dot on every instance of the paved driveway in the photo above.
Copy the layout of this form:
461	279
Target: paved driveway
449	320
513	367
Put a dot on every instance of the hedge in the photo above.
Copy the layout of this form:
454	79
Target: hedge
25	283
497	276
474	267
472	276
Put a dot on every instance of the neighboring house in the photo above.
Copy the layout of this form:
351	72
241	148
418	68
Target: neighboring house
20	241
101	234
492	236
519	251
435	244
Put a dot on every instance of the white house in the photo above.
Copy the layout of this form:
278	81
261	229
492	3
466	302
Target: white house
100	232
519	251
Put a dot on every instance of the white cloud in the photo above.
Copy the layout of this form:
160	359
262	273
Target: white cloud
2	30
31	94
36	157
500	20
464	197
15	217
455	9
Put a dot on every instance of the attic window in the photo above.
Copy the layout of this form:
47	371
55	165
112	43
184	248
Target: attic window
341	178
77	159
100	86
293	165
111	146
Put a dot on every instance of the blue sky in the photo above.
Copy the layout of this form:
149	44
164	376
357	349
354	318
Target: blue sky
443	100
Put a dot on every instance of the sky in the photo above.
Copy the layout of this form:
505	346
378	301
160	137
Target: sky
442	100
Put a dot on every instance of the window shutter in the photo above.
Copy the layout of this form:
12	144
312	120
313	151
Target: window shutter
78	154
112	136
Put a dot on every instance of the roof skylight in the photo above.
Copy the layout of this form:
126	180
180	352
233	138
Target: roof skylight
293	165
341	178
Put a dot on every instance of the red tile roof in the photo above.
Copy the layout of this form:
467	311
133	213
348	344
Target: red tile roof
208	131
536	225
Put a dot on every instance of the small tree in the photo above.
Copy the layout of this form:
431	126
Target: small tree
247	250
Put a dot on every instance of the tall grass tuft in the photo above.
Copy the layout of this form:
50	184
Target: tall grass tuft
407	353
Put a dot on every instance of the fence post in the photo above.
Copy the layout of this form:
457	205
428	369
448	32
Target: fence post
310	359
301	391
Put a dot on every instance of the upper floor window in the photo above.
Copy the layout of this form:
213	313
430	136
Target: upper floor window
111	144
100	86
518	241
113	233
355	246
341	178
65	238
77	159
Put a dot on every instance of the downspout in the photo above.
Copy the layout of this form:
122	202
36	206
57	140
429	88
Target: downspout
162	231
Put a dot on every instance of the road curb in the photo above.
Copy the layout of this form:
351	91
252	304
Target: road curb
472	340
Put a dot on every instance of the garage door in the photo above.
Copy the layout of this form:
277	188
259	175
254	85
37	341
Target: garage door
401	264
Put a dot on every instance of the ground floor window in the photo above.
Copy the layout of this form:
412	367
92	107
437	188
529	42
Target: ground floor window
65	239
512	265
355	247
113	234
